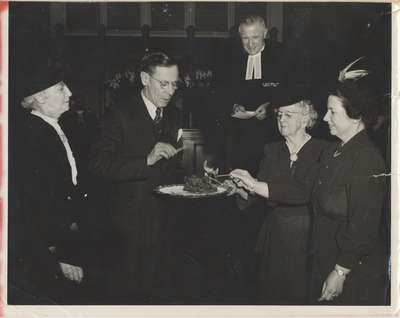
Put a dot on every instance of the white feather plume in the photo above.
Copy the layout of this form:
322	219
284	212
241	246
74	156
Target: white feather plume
353	75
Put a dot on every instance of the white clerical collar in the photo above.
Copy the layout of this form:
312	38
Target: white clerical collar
151	108
50	120
253	70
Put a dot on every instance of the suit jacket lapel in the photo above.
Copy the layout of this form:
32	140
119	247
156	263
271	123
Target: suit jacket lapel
137	112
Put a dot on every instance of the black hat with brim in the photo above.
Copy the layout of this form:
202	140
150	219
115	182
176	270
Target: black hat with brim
362	96
35	80
291	94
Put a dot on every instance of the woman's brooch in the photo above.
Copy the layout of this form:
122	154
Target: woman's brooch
337	154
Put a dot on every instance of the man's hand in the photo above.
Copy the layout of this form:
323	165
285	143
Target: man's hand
161	150
261	111
71	272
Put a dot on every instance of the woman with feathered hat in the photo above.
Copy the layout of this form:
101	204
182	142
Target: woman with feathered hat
350	263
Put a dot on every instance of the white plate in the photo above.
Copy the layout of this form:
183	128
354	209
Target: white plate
176	190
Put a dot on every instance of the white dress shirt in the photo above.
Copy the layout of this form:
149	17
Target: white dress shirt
151	108
253	70
54	123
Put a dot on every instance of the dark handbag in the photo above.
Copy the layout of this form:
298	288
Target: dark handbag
335	202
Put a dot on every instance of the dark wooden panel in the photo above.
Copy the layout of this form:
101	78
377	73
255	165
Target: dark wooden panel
211	16
195	152
82	16
249	8
123	16
29	17
167	16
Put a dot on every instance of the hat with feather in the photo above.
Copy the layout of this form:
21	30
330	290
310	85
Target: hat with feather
358	91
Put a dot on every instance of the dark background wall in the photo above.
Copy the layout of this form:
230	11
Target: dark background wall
327	35
318	39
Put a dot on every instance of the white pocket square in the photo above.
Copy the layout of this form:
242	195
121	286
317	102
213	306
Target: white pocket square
180	133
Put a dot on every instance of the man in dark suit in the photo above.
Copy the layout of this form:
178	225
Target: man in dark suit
257	74
136	151
52	199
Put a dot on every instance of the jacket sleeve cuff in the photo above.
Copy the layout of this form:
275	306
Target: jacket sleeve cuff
144	170
347	260
273	192
136	168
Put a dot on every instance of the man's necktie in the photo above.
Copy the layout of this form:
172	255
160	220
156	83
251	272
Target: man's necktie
157	123
158	117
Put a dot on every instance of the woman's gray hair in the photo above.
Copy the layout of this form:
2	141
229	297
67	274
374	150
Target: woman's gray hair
32	102
29	102
308	109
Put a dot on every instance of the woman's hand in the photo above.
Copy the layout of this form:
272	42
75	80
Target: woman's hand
230	186
71	272
233	189
243	179
333	286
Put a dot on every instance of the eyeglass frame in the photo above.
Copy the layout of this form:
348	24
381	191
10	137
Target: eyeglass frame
164	84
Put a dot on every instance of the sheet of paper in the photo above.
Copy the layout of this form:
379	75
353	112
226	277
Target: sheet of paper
244	115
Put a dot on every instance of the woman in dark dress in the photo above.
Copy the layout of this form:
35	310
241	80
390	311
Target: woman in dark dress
350	266
284	181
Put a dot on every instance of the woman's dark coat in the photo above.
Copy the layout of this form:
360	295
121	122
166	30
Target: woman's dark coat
348	204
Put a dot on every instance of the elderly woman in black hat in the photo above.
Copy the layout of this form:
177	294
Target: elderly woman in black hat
350	264
284	182
51	196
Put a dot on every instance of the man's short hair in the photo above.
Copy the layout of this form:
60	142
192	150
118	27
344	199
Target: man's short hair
252	19
152	60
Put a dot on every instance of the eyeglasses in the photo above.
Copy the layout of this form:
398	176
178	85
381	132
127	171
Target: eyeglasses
289	115
164	84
